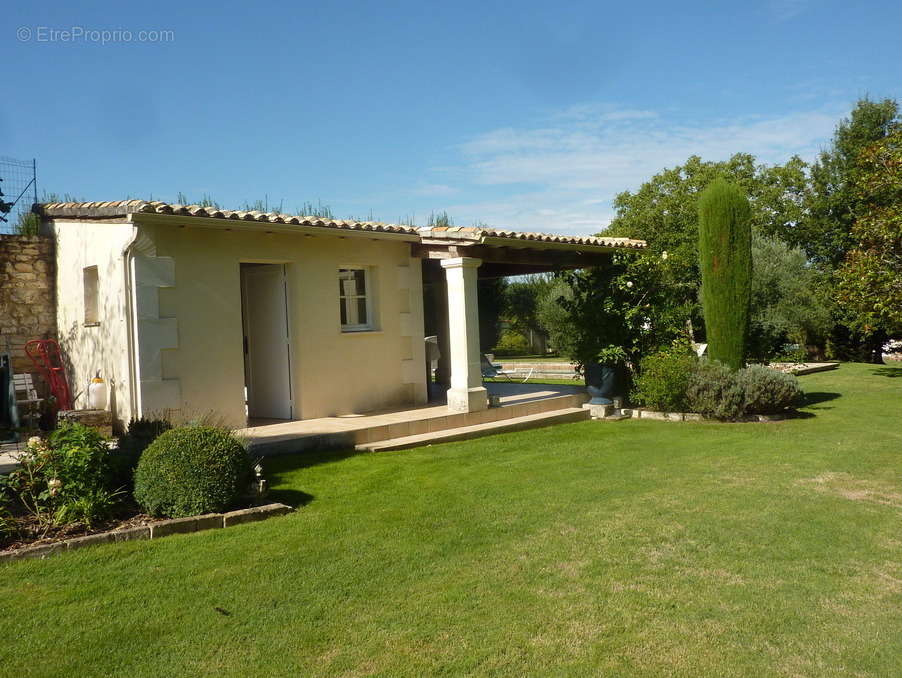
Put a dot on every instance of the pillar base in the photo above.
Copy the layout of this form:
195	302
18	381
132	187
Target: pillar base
468	400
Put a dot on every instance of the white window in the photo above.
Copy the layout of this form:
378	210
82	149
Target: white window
91	291
355	299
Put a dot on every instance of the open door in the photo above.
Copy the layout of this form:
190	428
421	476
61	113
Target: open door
267	349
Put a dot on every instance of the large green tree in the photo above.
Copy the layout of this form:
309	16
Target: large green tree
664	213
832	206
831	201
595	314
491	296
523	296
790	301
870	278
725	258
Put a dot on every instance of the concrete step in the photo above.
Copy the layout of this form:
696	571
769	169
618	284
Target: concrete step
342	434
467	432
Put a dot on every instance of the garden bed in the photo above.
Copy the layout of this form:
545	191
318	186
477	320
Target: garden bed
640	413
140	526
610	413
75	488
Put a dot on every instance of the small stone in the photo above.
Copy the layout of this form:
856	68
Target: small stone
598	411
89	540
209	521
174	526
254	514
132	533
41	551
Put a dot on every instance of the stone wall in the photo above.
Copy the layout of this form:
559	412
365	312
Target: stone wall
27	295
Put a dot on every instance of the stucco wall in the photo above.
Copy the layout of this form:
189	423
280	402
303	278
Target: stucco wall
332	372
103	346
27	296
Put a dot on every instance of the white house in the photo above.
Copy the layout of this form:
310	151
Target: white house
189	310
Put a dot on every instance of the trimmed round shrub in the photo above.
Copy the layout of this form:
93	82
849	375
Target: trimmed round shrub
713	391
141	433
767	391
191	470
664	377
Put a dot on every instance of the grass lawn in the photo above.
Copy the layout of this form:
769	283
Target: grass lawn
632	548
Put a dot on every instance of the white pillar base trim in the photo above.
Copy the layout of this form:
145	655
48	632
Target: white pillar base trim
469	400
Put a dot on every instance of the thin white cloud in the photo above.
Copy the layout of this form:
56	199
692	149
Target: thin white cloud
784	10
435	190
563	176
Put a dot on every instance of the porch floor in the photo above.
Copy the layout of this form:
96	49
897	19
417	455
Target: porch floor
267	436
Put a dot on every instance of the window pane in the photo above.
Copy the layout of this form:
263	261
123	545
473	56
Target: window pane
352	295
361	310
91	294
360	276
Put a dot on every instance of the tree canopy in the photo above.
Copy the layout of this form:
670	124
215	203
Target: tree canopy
832	200
870	279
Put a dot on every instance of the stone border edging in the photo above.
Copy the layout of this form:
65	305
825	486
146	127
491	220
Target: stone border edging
607	412
639	413
164	528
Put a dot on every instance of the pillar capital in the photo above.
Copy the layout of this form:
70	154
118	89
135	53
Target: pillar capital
461	262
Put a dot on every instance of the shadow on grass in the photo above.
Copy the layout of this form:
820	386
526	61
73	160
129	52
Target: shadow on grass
887	372
816	397
277	471
294	498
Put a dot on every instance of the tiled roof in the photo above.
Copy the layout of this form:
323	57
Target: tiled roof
481	234
121	208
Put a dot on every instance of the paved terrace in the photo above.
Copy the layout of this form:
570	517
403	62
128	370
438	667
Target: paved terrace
346	431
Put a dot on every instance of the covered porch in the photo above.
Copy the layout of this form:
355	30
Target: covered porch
455	259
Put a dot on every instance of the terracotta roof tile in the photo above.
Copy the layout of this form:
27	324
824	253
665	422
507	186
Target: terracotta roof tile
87	210
121	208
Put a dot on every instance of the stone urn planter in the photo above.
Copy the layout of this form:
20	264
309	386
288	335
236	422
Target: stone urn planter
602	383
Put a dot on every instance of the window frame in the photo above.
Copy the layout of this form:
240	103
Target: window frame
369	300
90	279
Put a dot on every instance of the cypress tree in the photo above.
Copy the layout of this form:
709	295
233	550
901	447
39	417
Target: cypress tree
725	257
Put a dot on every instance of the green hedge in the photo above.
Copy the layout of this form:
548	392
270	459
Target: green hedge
664	377
192	470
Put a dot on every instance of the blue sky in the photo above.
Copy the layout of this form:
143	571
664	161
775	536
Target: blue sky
523	115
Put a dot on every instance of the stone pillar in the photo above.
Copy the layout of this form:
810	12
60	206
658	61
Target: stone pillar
467	393
440	306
